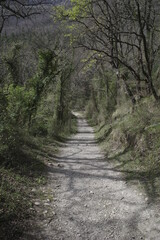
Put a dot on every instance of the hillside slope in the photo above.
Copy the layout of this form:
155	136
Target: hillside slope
131	138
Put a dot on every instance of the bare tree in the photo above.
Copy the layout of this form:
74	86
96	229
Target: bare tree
20	9
125	34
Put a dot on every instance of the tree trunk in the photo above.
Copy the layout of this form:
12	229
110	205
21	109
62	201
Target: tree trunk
153	91
129	92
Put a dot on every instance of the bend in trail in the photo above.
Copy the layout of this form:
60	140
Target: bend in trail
93	200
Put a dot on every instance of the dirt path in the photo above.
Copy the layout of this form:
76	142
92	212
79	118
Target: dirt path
93	201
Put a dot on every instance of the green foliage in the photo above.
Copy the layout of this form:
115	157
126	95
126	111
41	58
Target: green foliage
24	105
13	64
19	103
47	63
8	133
69	17
78	9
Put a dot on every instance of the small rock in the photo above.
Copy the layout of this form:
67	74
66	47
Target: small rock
37	203
32	209
33	190
59	165
46	204
85	205
45	212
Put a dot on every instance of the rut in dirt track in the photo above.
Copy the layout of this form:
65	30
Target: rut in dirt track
93	200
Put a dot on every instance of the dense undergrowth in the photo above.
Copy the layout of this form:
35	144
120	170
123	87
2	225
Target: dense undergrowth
18	178
131	138
21	179
35	112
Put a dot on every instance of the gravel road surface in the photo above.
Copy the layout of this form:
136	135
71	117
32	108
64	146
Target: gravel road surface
92	199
